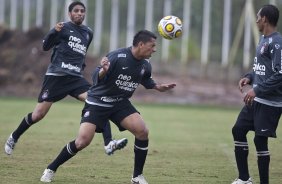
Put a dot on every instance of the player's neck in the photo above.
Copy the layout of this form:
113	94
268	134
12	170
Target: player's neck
268	30
135	53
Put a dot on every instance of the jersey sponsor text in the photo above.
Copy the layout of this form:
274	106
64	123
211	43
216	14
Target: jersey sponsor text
124	82
74	43
71	67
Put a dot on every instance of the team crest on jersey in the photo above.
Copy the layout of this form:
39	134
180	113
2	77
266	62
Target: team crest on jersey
86	114
264	48
277	46
45	94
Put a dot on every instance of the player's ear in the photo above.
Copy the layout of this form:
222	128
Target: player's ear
140	44
264	19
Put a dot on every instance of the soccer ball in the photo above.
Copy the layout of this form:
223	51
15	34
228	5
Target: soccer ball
170	27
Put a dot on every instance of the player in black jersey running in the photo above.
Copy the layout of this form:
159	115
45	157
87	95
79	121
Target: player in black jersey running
114	82
264	101
70	41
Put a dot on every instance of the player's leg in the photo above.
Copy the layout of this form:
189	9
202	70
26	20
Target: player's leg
263	158
242	126
110	145
51	91
266	123
41	109
135	124
84	138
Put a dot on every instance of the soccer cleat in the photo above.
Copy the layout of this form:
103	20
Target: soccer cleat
115	145
239	181
10	145
47	176
139	180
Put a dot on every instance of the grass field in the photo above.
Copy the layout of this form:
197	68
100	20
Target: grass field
188	145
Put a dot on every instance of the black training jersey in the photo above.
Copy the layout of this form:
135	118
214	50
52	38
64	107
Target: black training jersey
123	77
69	49
266	76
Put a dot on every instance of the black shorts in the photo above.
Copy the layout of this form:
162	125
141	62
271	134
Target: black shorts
261	118
56	88
98	115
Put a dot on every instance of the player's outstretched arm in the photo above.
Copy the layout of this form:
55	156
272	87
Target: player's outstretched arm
164	87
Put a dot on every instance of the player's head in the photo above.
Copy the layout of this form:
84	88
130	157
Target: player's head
144	43
270	13
143	36
77	12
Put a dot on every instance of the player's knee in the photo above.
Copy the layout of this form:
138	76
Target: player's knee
81	143
239	133
37	116
261	143
142	134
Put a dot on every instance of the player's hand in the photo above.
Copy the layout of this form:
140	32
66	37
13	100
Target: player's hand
244	81
249	97
164	87
105	64
59	26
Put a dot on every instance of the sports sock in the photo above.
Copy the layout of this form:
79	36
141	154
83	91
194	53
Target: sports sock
107	134
140	150
24	125
241	151
241	155
263	158
67	152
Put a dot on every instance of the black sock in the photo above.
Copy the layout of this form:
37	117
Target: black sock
263	157
107	134
241	155
263	166
24	125
140	150
241	151
67	152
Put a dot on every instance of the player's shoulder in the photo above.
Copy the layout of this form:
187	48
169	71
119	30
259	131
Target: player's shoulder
276	38
89	29
147	64
147	61
275	41
119	53
86	28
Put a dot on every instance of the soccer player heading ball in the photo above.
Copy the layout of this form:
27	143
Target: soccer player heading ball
114	82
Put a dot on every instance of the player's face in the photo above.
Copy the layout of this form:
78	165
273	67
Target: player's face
148	48
259	21
77	14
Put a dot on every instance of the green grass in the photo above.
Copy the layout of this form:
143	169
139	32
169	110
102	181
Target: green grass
188	145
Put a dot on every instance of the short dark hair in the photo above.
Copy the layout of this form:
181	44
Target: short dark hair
271	12
73	4
143	36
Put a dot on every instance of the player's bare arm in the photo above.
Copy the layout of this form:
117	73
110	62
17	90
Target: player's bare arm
164	87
